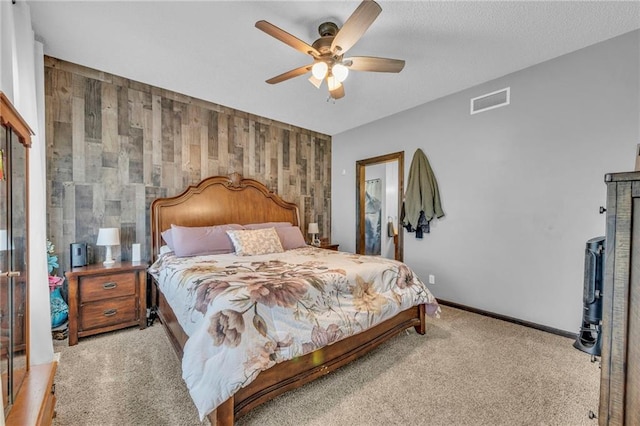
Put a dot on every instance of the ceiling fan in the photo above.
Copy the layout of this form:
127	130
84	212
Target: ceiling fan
328	51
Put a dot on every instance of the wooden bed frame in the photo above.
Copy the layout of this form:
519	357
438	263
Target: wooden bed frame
220	200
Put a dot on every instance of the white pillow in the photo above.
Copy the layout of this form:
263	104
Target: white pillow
251	242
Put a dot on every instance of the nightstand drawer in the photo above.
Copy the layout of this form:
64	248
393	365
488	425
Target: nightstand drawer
107	286
107	312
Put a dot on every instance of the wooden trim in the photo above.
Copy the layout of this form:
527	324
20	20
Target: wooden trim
175	333
529	324
27	250
360	192
36	399
9	117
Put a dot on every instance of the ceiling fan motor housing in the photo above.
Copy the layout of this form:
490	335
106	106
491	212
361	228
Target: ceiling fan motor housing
327	29
323	45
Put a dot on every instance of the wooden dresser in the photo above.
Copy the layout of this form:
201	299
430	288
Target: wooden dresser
103	298
330	246
620	377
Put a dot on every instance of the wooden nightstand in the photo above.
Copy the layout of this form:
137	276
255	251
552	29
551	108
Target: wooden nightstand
104	298
329	246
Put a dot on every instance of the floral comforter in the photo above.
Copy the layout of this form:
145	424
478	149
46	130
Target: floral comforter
245	314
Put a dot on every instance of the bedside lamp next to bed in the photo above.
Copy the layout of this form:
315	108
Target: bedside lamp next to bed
108	237
313	230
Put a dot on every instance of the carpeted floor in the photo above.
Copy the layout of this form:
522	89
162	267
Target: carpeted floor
467	370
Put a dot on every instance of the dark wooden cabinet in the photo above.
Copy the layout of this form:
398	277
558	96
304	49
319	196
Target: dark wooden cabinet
13	255
36	403
620	377
106	298
27	392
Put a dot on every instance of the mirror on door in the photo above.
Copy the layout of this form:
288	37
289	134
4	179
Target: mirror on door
379	191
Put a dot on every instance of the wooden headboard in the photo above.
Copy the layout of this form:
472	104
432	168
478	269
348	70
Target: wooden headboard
219	200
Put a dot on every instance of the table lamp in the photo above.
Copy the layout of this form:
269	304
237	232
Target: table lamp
313	230
108	237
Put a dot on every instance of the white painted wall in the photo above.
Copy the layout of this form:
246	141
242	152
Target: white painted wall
520	185
22	80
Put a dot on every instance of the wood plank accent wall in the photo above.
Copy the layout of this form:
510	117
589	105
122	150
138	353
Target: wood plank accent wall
114	145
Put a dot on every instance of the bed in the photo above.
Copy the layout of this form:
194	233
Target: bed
223	200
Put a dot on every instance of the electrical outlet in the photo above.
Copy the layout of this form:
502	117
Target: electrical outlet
432	279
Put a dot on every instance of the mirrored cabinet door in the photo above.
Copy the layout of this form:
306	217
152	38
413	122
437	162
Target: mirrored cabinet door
18	266
13	256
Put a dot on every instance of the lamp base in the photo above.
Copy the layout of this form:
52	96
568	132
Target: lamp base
108	258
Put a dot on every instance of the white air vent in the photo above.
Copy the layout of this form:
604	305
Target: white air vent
491	100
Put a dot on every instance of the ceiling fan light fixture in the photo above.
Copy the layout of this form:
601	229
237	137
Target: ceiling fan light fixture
327	51
315	81
319	70
340	72
333	83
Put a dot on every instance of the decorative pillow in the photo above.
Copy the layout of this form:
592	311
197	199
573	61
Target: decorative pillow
267	225
198	240
168	238
291	237
251	242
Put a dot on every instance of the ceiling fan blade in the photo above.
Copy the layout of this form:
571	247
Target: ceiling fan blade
371	63
355	26
338	92
289	74
287	38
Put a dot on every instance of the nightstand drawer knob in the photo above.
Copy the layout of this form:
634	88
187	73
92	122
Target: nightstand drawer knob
109	285
110	312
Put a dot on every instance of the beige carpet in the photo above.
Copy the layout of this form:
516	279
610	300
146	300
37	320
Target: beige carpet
467	370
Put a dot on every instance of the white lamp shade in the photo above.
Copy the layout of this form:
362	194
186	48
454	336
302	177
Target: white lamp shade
319	70
340	72
108	237
333	83
313	228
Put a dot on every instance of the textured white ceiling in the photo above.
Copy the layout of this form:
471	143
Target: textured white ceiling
211	49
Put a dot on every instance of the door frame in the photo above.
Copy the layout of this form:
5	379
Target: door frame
360	192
